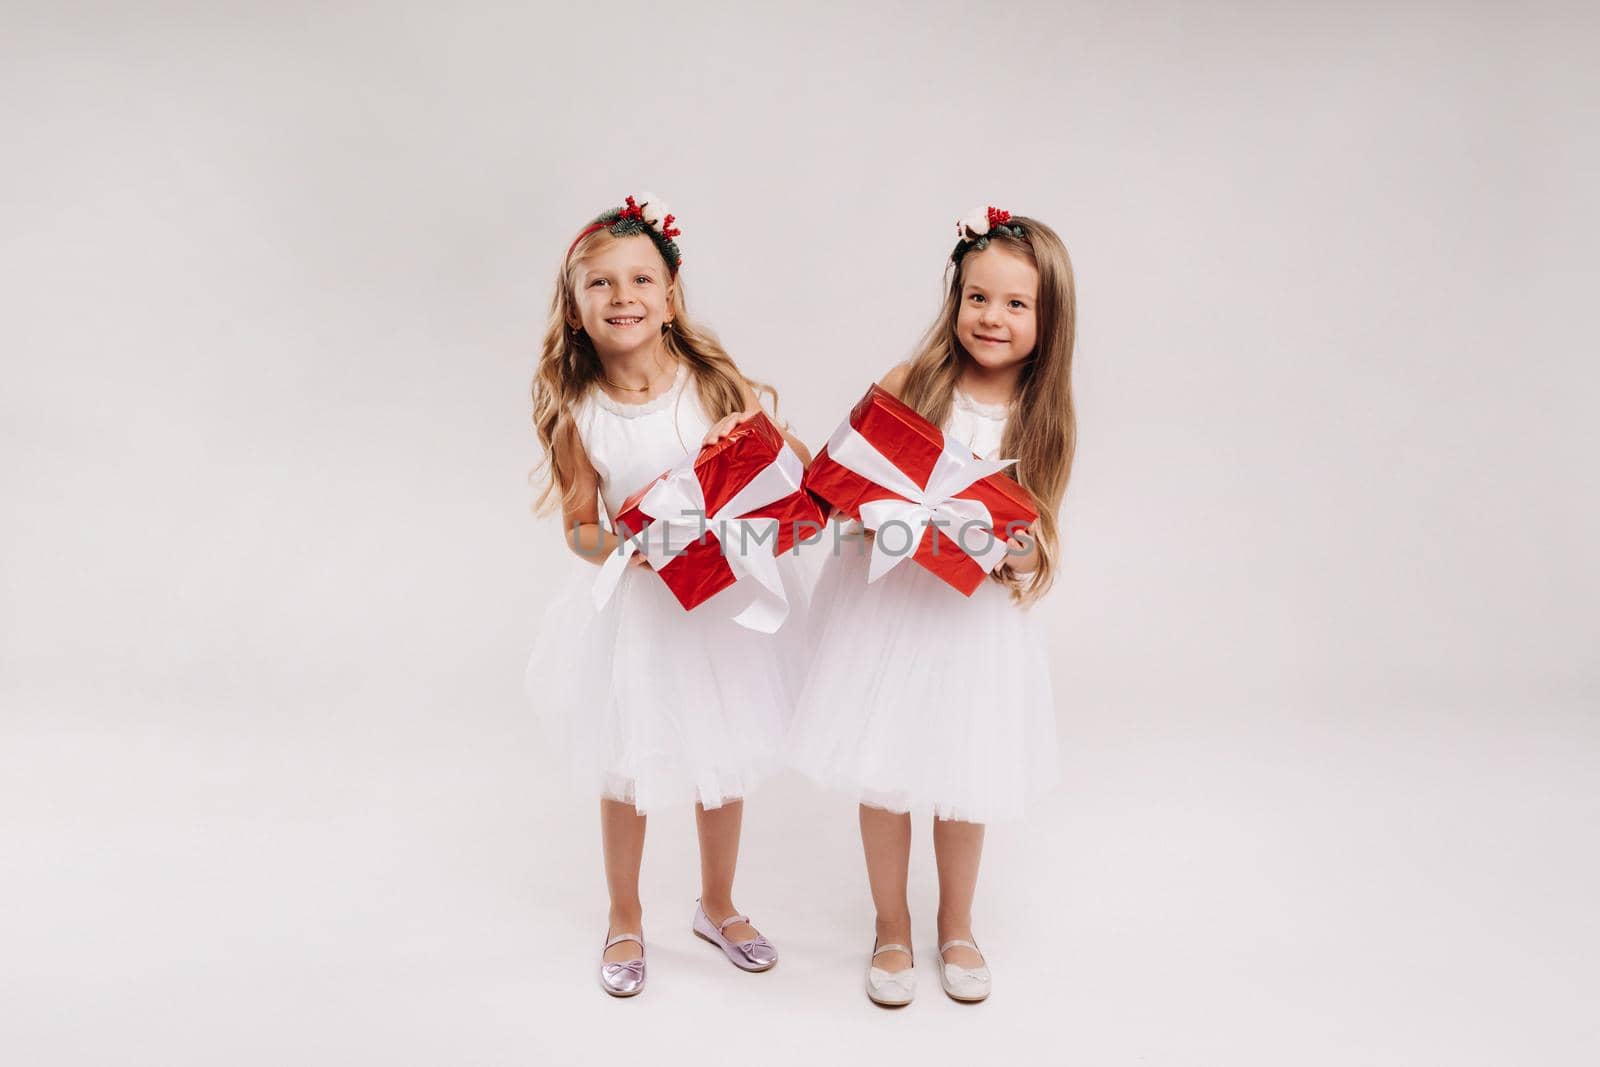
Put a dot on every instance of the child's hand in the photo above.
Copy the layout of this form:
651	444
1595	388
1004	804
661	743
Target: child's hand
638	560
726	424
1022	552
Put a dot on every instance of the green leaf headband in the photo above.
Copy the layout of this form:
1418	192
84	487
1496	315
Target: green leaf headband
978	225
649	217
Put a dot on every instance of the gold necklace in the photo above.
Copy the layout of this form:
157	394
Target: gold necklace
645	388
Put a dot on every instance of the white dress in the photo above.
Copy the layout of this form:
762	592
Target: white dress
918	696
650	703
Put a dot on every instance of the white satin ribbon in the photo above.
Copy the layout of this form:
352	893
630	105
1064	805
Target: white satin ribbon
677	508
955	470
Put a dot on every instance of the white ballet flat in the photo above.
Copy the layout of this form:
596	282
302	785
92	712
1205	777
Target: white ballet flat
892	989
967	984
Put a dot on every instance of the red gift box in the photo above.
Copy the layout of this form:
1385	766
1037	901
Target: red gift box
914	445
722	469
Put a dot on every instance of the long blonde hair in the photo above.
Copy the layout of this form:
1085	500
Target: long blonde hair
1042	433
569	366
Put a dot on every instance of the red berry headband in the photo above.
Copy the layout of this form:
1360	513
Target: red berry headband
649	217
974	229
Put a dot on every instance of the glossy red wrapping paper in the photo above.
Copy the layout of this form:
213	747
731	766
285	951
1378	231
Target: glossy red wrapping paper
913	444
722	469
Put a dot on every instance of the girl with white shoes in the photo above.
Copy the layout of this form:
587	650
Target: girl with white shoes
916	695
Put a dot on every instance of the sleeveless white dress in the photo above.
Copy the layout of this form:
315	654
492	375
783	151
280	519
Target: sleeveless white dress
917	696
650	703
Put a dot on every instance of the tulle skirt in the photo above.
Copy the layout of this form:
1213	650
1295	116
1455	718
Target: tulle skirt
648	703
917	696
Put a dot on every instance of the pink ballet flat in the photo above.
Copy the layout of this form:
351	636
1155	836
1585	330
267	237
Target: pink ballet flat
623	979
756	954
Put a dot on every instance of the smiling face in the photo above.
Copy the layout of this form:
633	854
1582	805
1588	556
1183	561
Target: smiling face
622	293
998	324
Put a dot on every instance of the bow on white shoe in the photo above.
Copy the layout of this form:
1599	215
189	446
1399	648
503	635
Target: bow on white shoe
891	988
963	983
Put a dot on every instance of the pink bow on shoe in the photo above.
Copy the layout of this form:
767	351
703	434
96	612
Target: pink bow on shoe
635	969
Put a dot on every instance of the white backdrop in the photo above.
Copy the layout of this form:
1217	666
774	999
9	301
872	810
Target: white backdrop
274	277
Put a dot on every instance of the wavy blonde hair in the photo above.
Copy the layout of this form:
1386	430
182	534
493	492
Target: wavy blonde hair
1042	433
569	366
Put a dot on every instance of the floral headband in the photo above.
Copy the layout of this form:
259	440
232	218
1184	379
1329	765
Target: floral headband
650	218
974	229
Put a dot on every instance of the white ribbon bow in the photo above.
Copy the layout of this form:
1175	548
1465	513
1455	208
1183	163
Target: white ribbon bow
677	507
937	503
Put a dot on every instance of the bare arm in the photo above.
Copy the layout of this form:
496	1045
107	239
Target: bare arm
895	380
581	522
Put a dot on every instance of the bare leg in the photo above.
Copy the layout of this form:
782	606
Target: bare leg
957	847
886	841
622	839
719	855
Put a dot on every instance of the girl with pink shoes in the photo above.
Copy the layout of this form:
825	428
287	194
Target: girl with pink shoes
657	706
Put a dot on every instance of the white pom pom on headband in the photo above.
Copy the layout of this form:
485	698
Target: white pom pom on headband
974	229
649	216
